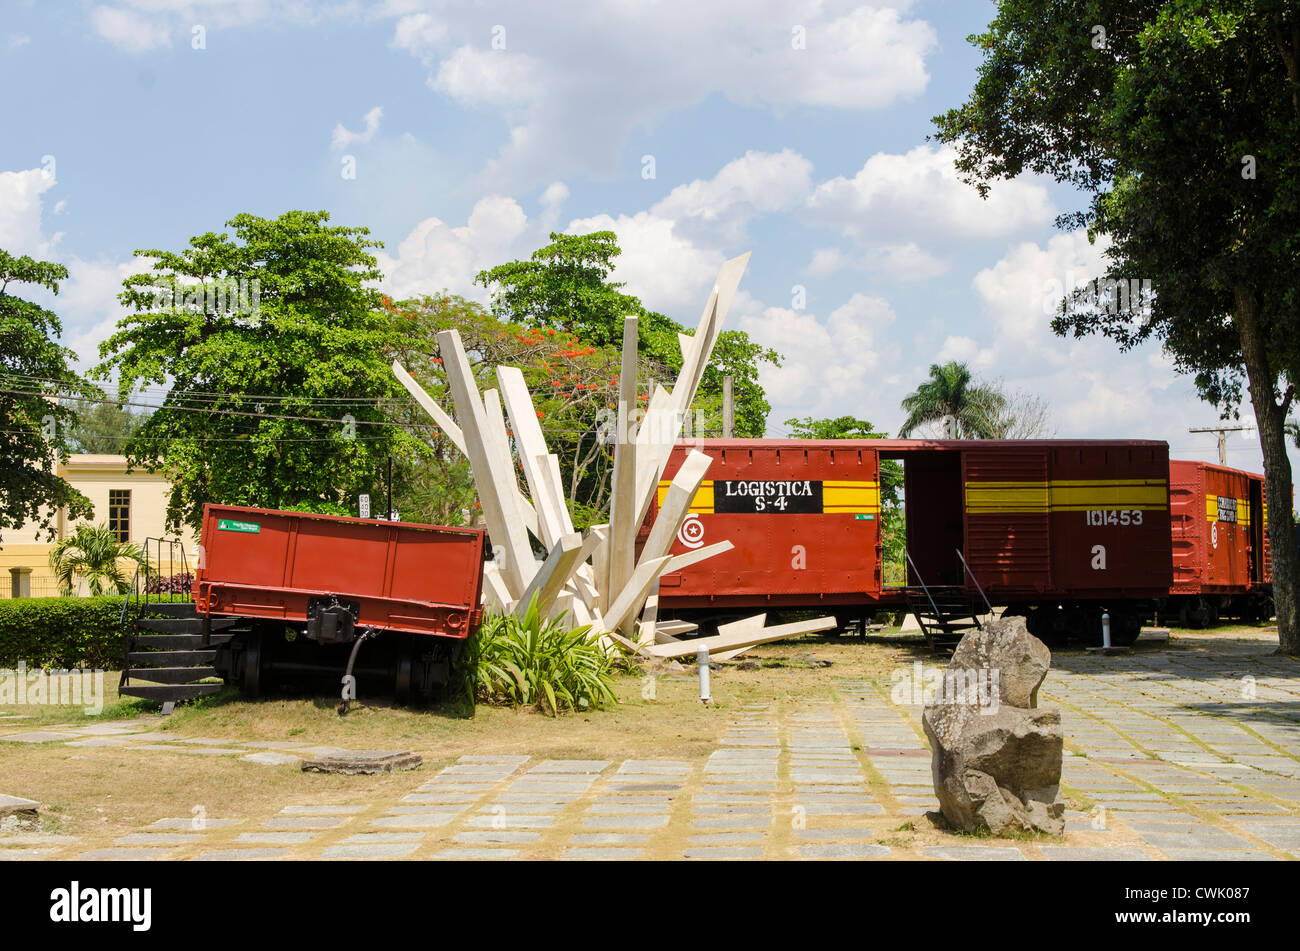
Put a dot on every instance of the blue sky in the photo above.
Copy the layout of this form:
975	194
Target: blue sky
795	130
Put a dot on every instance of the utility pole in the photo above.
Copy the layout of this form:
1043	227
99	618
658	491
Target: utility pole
728	409
1223	438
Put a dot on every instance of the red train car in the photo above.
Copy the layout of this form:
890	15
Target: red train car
803	515
1220	544
1063	530
302	592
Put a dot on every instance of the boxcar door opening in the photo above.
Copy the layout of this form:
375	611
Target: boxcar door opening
933	516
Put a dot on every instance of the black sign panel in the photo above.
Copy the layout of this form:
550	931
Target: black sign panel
790	497
1227	509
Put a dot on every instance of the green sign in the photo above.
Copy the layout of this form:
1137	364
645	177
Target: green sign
231	525
863	518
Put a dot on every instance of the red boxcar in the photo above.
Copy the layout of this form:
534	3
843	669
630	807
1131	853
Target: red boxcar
803	515
306	589
1220	544
1061	529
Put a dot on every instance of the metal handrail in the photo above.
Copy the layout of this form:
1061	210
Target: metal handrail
938	615
149	567
976	582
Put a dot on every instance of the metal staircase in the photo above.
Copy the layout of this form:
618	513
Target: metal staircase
945	612
170	648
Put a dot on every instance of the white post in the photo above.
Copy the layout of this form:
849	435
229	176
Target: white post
702	661
1105	630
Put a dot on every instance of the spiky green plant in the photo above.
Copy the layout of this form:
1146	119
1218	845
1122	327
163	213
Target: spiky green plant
532	661
92	553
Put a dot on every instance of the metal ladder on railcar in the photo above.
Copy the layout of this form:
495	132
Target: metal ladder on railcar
168	646
944	612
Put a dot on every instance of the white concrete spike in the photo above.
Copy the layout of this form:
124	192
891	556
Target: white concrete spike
496	485
554	574
532	451
448	426
629	600
623	505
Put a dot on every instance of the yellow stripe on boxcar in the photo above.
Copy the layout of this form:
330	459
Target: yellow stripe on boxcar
1065	495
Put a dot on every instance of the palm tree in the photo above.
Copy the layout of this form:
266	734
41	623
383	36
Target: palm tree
92	553
952	392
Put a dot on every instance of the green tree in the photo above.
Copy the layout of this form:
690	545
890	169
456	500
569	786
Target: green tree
573	384
1179	119
34	370
952	392
566	286
103	427
92	554
273	344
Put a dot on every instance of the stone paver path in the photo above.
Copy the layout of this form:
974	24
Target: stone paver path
1189	753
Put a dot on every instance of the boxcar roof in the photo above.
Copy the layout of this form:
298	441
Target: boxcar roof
886	445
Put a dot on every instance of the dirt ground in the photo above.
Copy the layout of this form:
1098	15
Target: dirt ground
99	793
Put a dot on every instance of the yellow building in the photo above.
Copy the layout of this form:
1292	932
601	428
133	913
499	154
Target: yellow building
133	504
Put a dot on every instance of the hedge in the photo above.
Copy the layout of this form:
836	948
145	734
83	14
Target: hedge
62	633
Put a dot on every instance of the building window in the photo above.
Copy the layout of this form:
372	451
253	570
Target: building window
119	513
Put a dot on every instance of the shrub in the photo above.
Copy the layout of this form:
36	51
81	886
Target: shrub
92	554
531	661
180	583
61	633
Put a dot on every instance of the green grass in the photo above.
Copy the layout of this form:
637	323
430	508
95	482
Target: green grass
529	661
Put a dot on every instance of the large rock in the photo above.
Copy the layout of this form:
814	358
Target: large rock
996	757
1020	660
997	770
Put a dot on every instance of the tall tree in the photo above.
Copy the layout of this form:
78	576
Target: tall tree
272	340
951	392
1180	119
574	387
1022	415
103	427
34	370
566	286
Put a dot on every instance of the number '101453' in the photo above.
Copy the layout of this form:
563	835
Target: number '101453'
1113	517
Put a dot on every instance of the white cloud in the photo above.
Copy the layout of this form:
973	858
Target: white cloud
756	183
129	30
342	138
856	54
478	77
966	350
553	199
904	263
420	35
571	88
917	196
1094	389
17	41
670	253
87	303
436	256
833	367
20	213
666	271
826	261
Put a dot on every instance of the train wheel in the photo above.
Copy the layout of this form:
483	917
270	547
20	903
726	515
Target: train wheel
1197	612
402	685
251	679
1125	627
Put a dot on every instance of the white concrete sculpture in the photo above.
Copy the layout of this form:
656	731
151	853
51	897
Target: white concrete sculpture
596	579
